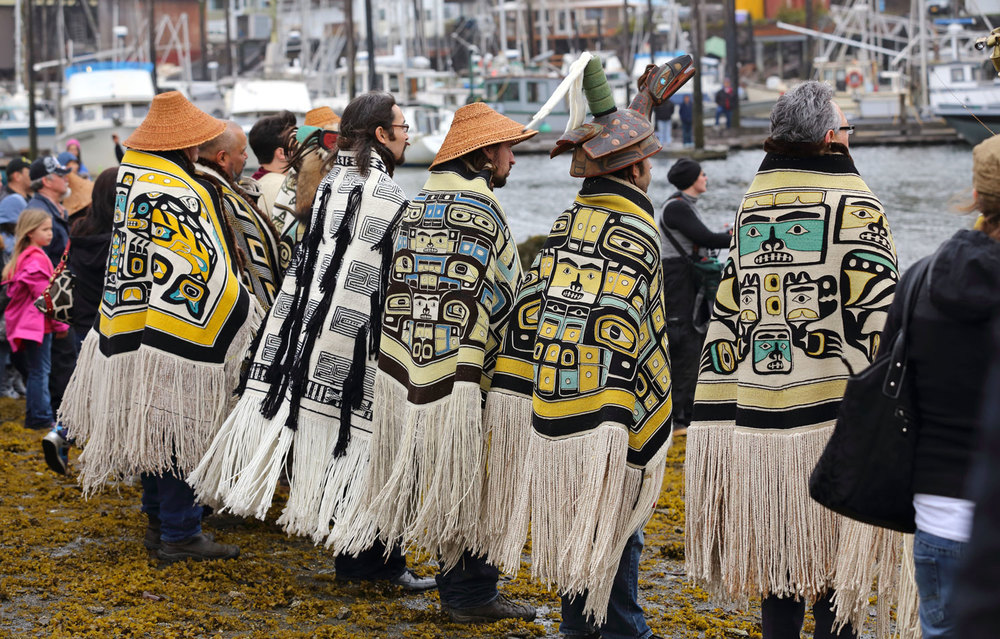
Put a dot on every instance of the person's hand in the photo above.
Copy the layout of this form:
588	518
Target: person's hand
114	138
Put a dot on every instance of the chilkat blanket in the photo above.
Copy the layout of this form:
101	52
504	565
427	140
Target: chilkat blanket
154	379
450	295
311	382
803	298
580	405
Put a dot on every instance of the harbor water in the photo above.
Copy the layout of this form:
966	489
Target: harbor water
918	185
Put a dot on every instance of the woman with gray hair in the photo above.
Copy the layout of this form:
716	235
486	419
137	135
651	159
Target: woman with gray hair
803	296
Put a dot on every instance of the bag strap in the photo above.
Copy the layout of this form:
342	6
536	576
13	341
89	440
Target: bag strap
893	384
670	236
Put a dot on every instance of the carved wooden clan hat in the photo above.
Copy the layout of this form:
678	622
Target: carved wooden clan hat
618	138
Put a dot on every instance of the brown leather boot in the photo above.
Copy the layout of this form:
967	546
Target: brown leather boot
199	547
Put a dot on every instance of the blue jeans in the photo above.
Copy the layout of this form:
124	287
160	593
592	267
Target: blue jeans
470	584
38	409
371	564
664	133
625	618
168	499
726	112
687	130
936	560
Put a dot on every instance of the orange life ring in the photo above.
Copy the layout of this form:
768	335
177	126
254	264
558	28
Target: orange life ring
854	79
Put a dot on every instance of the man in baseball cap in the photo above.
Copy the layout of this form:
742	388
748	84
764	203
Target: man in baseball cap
47	165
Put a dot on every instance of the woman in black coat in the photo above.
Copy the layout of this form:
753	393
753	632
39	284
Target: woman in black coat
90	239
949	357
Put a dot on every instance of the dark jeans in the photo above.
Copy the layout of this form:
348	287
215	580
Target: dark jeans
64	352
371	564
687	130
935	560
38	408
168	499
470	584
625	617
781	618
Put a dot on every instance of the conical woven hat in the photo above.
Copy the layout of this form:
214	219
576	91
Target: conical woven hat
322	117
81	193
476	126
174	123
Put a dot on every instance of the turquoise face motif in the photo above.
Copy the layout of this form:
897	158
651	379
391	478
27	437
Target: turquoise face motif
782	237
772	351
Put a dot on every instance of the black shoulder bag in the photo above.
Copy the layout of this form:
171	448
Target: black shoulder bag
705	274
866	469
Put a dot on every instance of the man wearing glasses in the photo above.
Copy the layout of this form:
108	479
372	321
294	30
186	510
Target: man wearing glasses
803	297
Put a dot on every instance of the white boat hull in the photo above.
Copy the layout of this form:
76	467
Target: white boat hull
423	148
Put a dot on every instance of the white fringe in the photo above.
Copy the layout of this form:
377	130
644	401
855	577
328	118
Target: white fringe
253	489
323	487
585	502
148	411
505	517
426	473
753	529
866	553
908	611
705	492
234	446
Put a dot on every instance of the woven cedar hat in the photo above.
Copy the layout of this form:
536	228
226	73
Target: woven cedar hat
476	126
173	123
323	117
81	193
618	138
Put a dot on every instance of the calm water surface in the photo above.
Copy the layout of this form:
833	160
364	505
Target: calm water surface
917	186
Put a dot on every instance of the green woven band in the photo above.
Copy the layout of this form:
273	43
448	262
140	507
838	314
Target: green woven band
597	89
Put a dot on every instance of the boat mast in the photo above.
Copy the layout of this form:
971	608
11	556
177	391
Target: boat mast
369	33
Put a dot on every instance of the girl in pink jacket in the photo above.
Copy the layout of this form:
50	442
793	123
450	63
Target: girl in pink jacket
29	332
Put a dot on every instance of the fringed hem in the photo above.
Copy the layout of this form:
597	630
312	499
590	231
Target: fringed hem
323	487
908	609
585	502
753	529
866	553
508	421
253	490
705	468
232	450
148	411
426	472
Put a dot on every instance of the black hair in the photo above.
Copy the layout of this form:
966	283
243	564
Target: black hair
269	134
362	116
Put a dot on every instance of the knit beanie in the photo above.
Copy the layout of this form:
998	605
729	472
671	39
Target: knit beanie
684	173
986	166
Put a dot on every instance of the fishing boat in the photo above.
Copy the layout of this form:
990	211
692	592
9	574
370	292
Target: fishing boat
14	135
101	100
428	126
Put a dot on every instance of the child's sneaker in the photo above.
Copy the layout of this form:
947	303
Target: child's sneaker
56	449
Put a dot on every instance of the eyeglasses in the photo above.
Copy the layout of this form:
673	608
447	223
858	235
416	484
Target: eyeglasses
405	127
849	128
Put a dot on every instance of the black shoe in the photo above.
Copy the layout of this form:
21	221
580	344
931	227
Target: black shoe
407	580
199	547
54	446
499	608
152	538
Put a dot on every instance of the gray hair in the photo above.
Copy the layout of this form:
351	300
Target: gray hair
804	113
37	184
